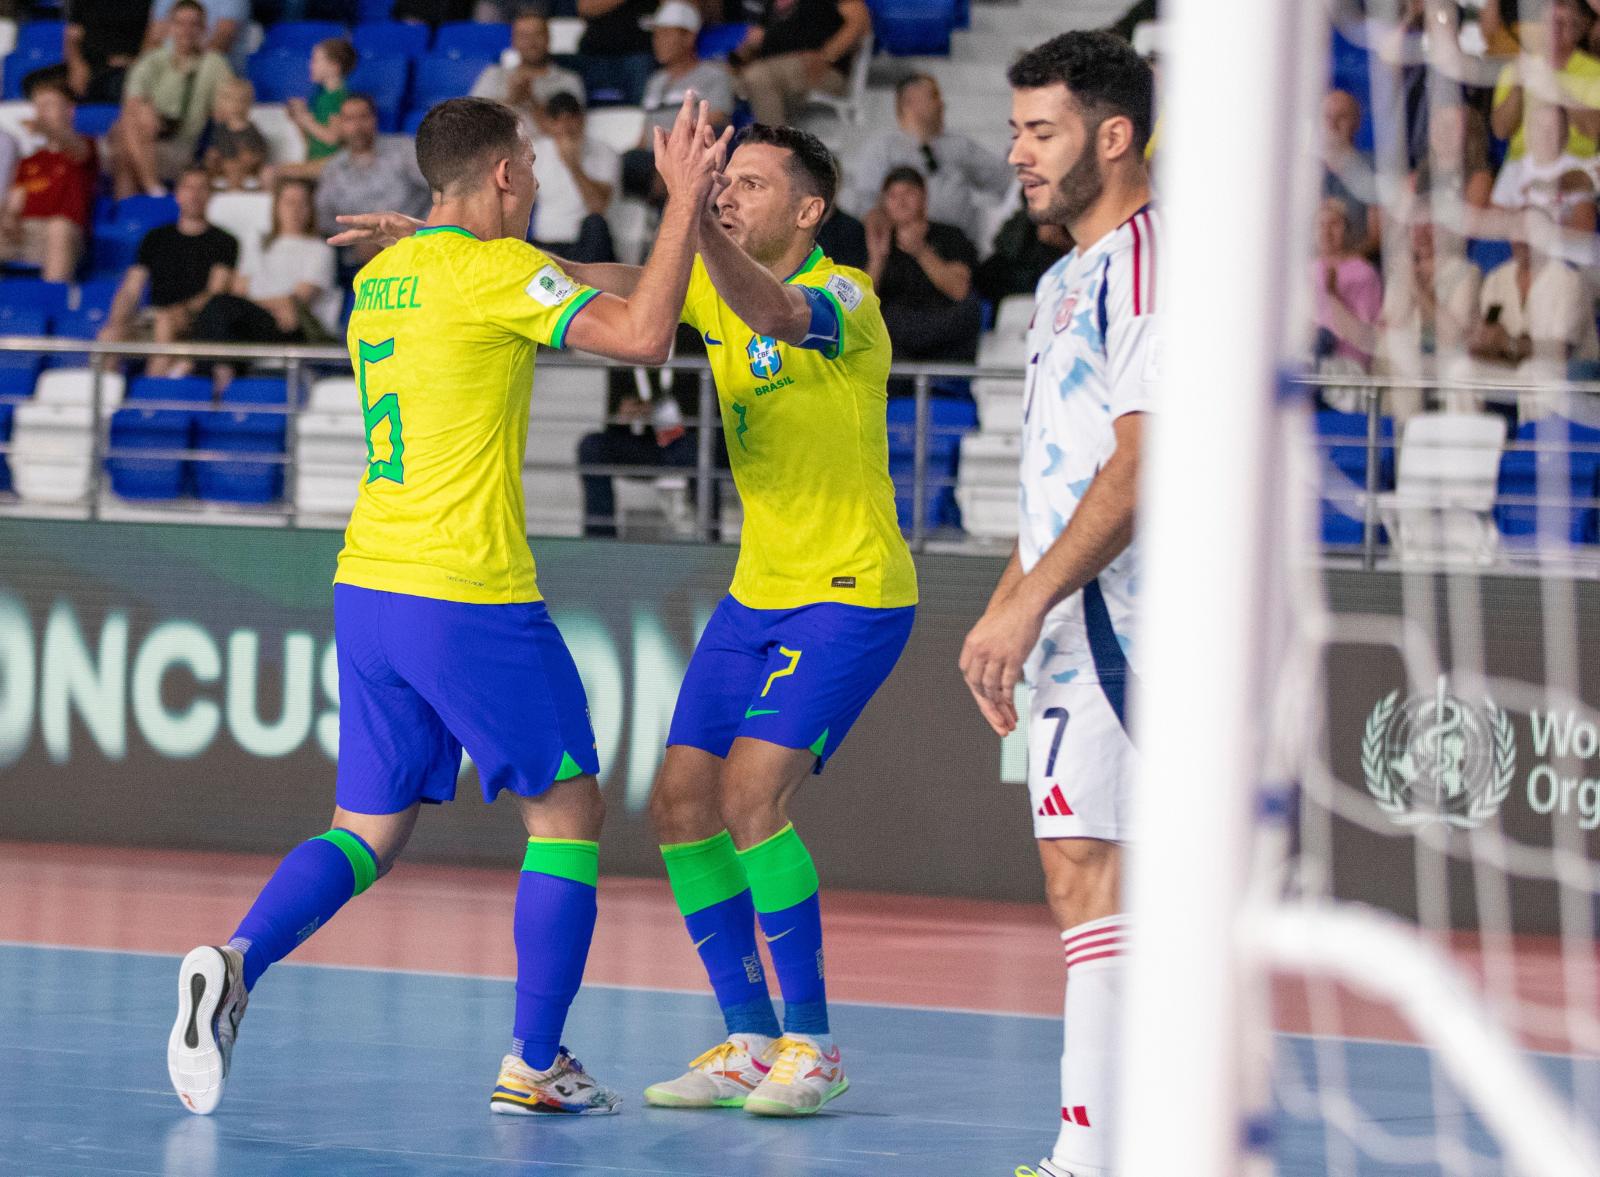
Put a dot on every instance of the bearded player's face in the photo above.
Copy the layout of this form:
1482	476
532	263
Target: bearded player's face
760	208
1053	151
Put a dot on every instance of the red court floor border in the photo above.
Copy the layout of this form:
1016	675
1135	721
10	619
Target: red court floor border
882	949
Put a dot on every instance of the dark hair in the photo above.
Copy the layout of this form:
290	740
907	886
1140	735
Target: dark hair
1102	73
561	103
366	100
904	174
909	81
50	83
811	164
194	4
526	11
460	136
309	187
340	52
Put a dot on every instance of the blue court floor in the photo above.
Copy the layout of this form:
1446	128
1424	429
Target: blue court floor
356	1072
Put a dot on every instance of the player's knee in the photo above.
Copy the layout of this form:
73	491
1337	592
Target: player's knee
1082	882
749	808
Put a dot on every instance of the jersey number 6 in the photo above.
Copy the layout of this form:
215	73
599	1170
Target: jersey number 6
386	408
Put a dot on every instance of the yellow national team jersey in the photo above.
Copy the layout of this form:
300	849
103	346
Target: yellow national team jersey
809	445
442	340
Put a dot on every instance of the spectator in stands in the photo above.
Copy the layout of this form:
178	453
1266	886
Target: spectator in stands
281	295
431	12
182	266
1348	292
1535	313
233	150
1555	71
101	40
922	271
672	37
224	31
798	46
166	103
615	30
1429	309
46	214
577	178
368	172
331	63
1347	172
649	435
1546	177
1023	251
528	78
1456	166
963	177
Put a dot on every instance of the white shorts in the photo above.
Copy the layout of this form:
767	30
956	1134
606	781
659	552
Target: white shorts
1081	762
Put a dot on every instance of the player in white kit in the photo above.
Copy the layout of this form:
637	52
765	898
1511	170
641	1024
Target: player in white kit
1064	613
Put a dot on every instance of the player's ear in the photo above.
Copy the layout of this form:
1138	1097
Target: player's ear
811	210
502	175
1114	139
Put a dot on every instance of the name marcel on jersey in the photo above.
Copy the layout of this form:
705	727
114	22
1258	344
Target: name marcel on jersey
394	293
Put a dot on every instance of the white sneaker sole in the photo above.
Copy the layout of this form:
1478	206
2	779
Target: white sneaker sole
759	1106
194	1060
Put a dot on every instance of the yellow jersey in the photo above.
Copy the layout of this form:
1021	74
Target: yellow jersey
808	441
442	340
1579	80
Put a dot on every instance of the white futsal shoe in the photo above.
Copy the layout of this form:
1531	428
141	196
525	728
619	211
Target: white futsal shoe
804	1077
566	1089
722	1077
211	1001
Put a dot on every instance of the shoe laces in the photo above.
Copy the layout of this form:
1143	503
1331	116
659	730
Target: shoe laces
792	1055
716	1058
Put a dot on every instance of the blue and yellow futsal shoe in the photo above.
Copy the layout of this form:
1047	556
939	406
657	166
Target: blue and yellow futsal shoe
804	1077
566	1089
722	1077
1047	1168
211	1000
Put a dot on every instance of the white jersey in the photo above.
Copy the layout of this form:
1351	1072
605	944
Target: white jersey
1094	356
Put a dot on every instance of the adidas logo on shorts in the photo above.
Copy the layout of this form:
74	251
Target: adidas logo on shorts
1055	804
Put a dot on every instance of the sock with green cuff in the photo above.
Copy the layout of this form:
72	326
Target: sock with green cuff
553	925
783	885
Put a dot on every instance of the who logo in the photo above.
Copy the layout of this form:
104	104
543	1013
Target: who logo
1438	758
765	361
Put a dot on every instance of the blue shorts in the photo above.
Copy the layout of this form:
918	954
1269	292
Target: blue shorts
420	679
798	678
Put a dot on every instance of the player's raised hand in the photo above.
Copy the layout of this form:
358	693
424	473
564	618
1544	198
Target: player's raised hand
691	153
380	229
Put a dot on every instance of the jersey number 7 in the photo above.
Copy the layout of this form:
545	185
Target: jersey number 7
386	408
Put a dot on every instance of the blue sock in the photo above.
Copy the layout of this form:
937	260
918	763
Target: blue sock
709	886
783	884
553	925
313	881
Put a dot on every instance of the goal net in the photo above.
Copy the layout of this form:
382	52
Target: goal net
1364	887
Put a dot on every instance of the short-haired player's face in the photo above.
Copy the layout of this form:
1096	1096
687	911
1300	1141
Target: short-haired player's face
1053	153
760	207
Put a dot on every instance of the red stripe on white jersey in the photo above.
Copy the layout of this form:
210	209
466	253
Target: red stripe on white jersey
1138	263
1150	265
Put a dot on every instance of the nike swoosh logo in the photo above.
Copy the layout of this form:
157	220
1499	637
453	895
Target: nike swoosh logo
713	342
780	935
753	712
697	943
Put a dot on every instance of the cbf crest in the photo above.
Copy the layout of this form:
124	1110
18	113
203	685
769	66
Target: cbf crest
1438	758
765	361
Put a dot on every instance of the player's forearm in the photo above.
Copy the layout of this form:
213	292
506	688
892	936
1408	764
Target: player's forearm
1099	531
608	277
656	301
766	305
1009	578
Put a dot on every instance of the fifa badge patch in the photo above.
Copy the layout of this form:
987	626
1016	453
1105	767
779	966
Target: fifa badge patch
550	287
846	291
1064	312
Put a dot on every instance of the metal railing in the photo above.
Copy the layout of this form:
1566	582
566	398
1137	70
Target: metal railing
297	362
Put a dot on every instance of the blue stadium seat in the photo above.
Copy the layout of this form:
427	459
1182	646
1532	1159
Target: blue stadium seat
246	434
370	12
438	77
384	78
18	373
611	81
413	119
390	38
949	419
913	28
716	42
279	76
84	323
473	39
22	320
1487	255
1350	459
116	242
298	37
38	45
95	119
135	427
97	295
6	412
1351	73
48	298
1521	472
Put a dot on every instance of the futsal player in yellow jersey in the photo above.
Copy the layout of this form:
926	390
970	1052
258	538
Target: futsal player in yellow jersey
443	640
820	607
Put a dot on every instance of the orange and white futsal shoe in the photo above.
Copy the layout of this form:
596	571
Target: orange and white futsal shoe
804	1077
722	1077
